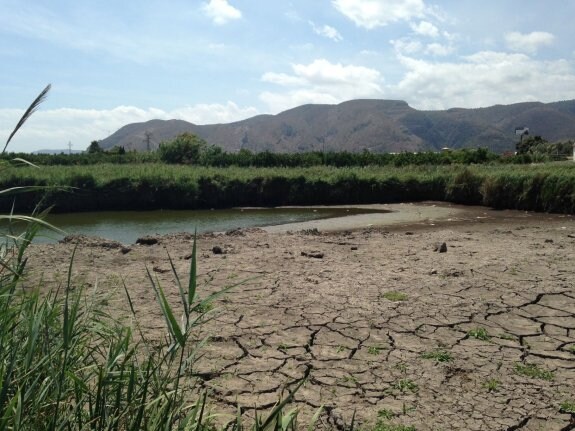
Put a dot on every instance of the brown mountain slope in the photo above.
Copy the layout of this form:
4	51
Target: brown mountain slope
357	125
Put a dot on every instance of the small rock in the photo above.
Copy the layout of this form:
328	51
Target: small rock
433	272
453	273
216	249
160	270
549	241
147	240
354	248
235	232
314	254
440	247
125	250
188	256
571	235
312	231
409	233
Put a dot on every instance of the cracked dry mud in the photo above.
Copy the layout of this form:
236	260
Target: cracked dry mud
481	337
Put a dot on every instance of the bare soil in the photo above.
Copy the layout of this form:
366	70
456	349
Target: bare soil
479	337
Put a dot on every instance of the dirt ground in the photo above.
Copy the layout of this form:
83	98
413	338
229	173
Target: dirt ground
476	335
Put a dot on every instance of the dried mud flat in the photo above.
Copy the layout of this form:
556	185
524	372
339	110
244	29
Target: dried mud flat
480	337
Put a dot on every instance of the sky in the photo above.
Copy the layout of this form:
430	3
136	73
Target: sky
112	62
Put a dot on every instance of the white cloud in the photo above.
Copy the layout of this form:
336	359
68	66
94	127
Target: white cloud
221	12
425	28
53	129
528	43
327	31
406	46
438	50
379	13
283	79
322	82
484	79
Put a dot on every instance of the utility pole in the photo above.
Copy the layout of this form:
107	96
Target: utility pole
147	140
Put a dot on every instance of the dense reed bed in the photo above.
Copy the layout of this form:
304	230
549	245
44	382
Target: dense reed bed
546	187
67	364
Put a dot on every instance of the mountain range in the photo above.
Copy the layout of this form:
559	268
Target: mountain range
357	125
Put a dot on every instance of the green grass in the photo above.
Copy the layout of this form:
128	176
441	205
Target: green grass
349	379
438	355
384	425
67	364
405	385
402	366
385	414
479	333
374	350
492	385
395	296
534	372
567	407
541	187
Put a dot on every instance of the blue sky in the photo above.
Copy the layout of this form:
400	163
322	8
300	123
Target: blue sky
112	63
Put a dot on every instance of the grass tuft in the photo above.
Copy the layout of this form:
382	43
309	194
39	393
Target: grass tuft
395	296
567	407
438	355
492	385
534	372
479	333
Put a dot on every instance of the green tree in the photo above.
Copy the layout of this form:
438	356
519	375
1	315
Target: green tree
95	148
529	143
118	150
185	148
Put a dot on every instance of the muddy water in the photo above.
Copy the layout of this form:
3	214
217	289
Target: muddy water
127	226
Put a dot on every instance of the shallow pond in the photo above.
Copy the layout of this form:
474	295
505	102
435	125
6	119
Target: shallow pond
127	226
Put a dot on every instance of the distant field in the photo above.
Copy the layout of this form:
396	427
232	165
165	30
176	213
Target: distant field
541	187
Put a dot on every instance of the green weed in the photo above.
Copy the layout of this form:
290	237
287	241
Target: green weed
395	296
567	407
438	355
405	385
349	379
479	333
534	372
492	385
374	350
385	426
402	366
385	414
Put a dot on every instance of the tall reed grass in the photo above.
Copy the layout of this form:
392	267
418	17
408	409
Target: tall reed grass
67	364
544	187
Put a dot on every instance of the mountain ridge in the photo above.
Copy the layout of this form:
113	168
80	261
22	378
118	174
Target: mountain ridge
375	125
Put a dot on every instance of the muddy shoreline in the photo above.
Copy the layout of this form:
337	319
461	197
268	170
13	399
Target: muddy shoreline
368	310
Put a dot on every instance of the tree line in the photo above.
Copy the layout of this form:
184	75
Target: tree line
189	149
